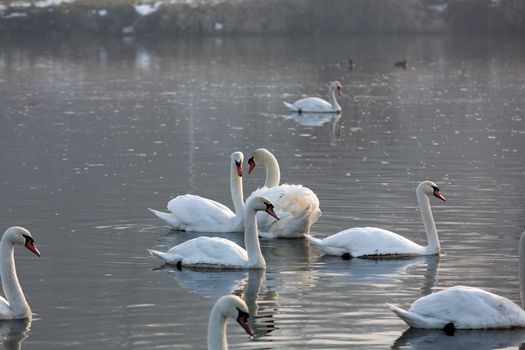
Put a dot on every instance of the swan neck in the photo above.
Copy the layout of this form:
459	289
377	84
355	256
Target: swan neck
236	191
10	284
251	240
273	173
217	330
522	269
333	100
428	220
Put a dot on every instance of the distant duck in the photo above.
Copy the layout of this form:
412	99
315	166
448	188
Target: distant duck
346	64
16	306
373	242
463	307
217	252
229	306
401	64
316	104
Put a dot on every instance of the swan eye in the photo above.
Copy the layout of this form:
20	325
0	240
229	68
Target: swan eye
242	314
269	206
435	189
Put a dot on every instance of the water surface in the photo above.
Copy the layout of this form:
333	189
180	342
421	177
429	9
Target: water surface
94	133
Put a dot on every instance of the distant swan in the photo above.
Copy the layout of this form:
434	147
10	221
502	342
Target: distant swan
463	307
376	242
194	213
16	306
296	205
216	252
229	306
316	104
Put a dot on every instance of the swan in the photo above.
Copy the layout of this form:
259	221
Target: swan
463	307
229	306
16	306
297	206
316	104
194	213
216	252
376	242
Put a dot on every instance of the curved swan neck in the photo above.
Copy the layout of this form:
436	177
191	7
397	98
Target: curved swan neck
217	330
333	100
236	191
522	269
428	220
12	289
251	240
273	173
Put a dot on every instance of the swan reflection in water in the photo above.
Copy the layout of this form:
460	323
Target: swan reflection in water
332	121
430	339
247	284
14	332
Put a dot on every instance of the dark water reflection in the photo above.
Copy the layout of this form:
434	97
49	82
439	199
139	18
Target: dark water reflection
93	133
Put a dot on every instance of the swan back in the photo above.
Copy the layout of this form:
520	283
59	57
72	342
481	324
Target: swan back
229	306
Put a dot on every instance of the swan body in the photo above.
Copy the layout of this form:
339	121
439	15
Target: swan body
15	305
297	206
216	252
194	213
377	242
229	306
463	307
316	104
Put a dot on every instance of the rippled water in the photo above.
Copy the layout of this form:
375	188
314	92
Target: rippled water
93	133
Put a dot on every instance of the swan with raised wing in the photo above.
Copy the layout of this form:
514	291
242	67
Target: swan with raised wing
194	213
316	104
373	242
15	305
217	252
463	307
297	206
229	306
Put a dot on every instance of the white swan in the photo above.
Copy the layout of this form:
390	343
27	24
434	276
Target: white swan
229	306
16	306
216	252
463	307
297	206
376	242
316	104
194	213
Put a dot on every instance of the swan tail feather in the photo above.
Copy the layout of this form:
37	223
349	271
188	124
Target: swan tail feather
412	319
168	218
166	257
291	107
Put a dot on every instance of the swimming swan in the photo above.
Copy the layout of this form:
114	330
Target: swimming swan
376	242
463	307
229	306
316	104
297	206
194	213
216	252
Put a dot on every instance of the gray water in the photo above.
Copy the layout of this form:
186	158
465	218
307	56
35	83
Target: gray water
93	133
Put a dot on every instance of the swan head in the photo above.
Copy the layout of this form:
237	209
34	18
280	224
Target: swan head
430	189
261	203
233	307
336	87
237	159
22	236
259	156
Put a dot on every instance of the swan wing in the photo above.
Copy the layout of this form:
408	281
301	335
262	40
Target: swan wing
469	308
206	251
297	207
367	241
312	104
195	213
5	310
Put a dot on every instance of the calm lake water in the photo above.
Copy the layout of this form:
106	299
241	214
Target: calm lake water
93	133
